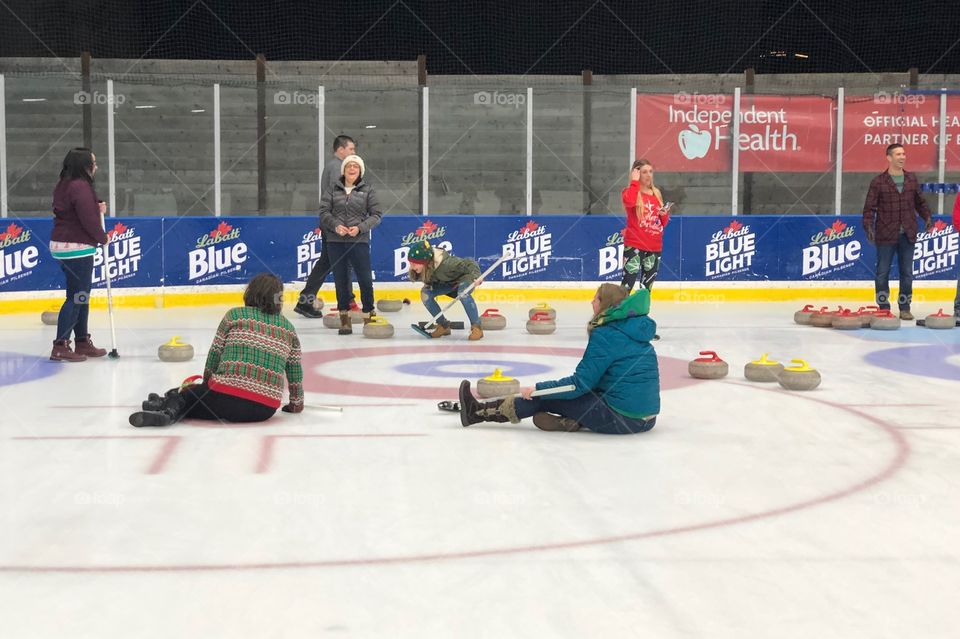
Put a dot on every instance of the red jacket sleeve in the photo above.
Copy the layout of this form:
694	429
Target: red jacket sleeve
956	214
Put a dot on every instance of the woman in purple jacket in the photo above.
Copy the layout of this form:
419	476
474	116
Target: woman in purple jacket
77	231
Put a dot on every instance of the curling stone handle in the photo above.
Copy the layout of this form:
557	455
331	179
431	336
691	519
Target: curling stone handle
540	316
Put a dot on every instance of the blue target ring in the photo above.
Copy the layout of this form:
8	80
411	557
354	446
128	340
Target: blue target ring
926	361
442	369
17	368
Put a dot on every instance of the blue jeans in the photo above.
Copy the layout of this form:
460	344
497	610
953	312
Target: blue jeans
589	410
343	257
903	249
429	294
76	309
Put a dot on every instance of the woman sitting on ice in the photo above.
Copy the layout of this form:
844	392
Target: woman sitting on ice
617	383
255	350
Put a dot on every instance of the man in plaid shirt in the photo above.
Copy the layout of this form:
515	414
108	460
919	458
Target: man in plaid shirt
890	221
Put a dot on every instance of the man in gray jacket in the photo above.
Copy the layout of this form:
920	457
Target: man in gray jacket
343	145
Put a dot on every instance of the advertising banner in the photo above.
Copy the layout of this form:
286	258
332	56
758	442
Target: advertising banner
691	132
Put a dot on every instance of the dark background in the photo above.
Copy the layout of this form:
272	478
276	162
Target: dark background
482	36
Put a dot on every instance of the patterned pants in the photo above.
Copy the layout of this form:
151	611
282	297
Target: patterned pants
642	264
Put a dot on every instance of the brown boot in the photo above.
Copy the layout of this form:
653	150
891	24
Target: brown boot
549	421
346	324
84	346
906	316
368	317
63	353
441	330
475	333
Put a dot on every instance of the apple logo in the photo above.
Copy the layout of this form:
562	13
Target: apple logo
693	142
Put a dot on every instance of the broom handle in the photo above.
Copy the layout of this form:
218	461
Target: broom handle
106	272
539	393
467	290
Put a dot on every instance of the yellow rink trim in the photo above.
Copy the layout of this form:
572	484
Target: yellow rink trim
492	297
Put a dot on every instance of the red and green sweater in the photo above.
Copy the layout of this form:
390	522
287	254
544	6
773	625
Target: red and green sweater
251	356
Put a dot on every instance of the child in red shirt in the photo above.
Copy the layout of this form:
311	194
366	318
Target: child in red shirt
646	219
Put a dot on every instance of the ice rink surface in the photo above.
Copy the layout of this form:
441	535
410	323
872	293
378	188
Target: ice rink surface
749	511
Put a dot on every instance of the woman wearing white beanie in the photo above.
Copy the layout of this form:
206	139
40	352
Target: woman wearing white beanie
348	212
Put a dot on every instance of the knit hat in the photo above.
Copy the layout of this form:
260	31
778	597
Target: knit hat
420	253
352	158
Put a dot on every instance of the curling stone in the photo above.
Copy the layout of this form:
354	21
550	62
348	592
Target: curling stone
939	320
389	306
803	315
497	385
824	318
378	328
50	316
762	370
710	367
885	321
541	324
867	313
175	351
356	316
800	377
331	320
492	320
543	308
847	320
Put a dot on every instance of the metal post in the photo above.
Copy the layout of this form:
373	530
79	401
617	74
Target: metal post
3	147
587	79
321	126
529	150
633	125
87	107
838	179
112	150
735	146
261	135
942	148
425	152
217	187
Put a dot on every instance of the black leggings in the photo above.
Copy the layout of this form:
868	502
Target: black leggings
203	403
343	257
644	264
318	275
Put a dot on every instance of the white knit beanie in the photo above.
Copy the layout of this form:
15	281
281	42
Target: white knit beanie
352	158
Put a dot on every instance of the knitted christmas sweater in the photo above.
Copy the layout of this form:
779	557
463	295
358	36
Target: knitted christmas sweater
251	355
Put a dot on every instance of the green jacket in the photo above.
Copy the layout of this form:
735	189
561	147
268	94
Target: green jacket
448	269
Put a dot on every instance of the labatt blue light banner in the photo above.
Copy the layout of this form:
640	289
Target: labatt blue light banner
196	251
135	255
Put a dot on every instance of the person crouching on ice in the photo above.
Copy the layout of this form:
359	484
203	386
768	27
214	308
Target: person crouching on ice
445	274
617	383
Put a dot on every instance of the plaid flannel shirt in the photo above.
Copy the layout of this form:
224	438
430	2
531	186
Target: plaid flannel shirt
892	210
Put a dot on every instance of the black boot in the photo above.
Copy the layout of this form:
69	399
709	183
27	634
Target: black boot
154	402
173	408
474	412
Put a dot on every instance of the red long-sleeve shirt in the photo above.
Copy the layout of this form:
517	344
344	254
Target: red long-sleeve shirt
645	222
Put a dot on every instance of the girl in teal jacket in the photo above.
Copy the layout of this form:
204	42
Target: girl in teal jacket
616	384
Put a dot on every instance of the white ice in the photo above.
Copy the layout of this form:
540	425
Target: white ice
749	511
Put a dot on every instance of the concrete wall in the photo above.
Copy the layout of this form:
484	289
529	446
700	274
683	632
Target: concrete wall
164	155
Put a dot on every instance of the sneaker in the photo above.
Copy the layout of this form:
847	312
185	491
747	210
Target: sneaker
353	305
906	315
307	310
